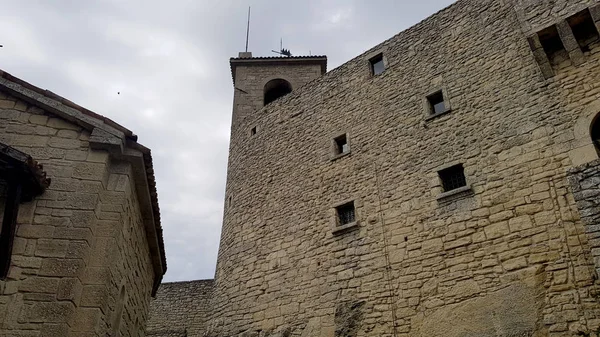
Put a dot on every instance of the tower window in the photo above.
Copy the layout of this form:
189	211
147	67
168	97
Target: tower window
436	103
341	145
453	177
253	131
552	44
346	213
275	89
377	65
583	28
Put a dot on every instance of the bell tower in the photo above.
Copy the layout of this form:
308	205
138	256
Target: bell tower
259	81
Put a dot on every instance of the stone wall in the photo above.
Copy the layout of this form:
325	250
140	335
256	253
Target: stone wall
585	183
78	243
417	264
180	307
251	80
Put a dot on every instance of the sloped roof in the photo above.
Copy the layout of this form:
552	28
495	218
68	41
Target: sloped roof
33	175
89	120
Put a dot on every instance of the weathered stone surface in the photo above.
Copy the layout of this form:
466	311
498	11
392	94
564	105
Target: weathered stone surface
67	273
519	119
512	311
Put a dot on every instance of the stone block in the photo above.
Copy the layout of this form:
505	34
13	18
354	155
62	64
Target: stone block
55	330
87	319
50	312
51	248
520	223
89	171
95	296
70	289
496	230
37	284
62	267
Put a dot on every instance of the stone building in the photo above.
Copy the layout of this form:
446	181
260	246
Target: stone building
444	183
81	249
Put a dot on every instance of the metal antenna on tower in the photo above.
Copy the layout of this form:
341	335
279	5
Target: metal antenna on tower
282	51
248	29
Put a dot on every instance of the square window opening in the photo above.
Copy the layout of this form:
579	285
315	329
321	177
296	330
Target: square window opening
436	103
377	65
584	29
453	177
346	214
341	144
552	44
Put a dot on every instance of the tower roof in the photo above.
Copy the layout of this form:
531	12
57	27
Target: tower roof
234	62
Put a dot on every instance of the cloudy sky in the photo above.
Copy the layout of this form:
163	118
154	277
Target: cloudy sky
169	61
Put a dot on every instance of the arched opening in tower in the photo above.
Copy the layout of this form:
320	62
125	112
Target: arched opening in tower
595	133
276	88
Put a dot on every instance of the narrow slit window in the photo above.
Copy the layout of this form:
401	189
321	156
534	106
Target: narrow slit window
341	144
346	214
453	177
436	102
584	29
253	131
552	44
377	65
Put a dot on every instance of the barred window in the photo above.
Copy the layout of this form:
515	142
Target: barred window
453	177
346	213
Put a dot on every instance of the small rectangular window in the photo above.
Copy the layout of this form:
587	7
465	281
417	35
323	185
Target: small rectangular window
436	103
341	144
584	29
346	214
253	131
453	177
377	65
552	44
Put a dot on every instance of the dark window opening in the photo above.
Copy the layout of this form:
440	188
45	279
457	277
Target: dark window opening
253	131
453	177
377	65
595	133
341	144
552	44
584	29
436	103
229	202
275	89
346	213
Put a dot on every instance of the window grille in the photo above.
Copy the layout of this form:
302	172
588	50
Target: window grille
346	213
453	177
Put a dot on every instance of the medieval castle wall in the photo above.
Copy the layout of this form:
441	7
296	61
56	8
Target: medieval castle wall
507	256
80	262
180	309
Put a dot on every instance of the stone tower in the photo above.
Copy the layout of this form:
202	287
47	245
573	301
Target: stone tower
258	81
